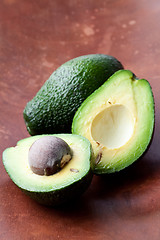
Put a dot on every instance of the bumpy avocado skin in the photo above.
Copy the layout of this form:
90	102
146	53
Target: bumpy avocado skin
53	107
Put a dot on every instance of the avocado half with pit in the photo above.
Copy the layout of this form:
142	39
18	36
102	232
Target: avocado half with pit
118	120
69	180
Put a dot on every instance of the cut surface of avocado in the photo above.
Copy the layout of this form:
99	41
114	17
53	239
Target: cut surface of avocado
118	124
118	120
71	180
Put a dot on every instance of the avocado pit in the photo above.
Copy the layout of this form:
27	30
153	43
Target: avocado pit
48	155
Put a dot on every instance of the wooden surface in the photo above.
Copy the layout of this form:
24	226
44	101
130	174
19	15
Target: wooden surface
35	38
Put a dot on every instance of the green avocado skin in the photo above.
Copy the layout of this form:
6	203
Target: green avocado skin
53	107
62	196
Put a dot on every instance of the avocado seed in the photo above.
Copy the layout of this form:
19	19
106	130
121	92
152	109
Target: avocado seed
48	155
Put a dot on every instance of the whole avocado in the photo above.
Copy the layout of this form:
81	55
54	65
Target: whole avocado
53	107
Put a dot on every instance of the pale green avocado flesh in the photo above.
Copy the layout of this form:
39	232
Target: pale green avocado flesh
118	120
69	182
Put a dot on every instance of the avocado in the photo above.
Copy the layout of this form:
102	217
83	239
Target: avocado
53	107
59	187
118	120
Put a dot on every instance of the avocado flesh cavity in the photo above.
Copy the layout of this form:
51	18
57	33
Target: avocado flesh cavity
53	107
118	124
53	190
118	119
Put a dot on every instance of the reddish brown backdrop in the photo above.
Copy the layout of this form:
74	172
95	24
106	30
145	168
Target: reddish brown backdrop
35	38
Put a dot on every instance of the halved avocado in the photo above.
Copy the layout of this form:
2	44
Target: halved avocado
72	180
118	120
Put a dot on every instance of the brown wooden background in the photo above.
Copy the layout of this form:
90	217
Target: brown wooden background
35	38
